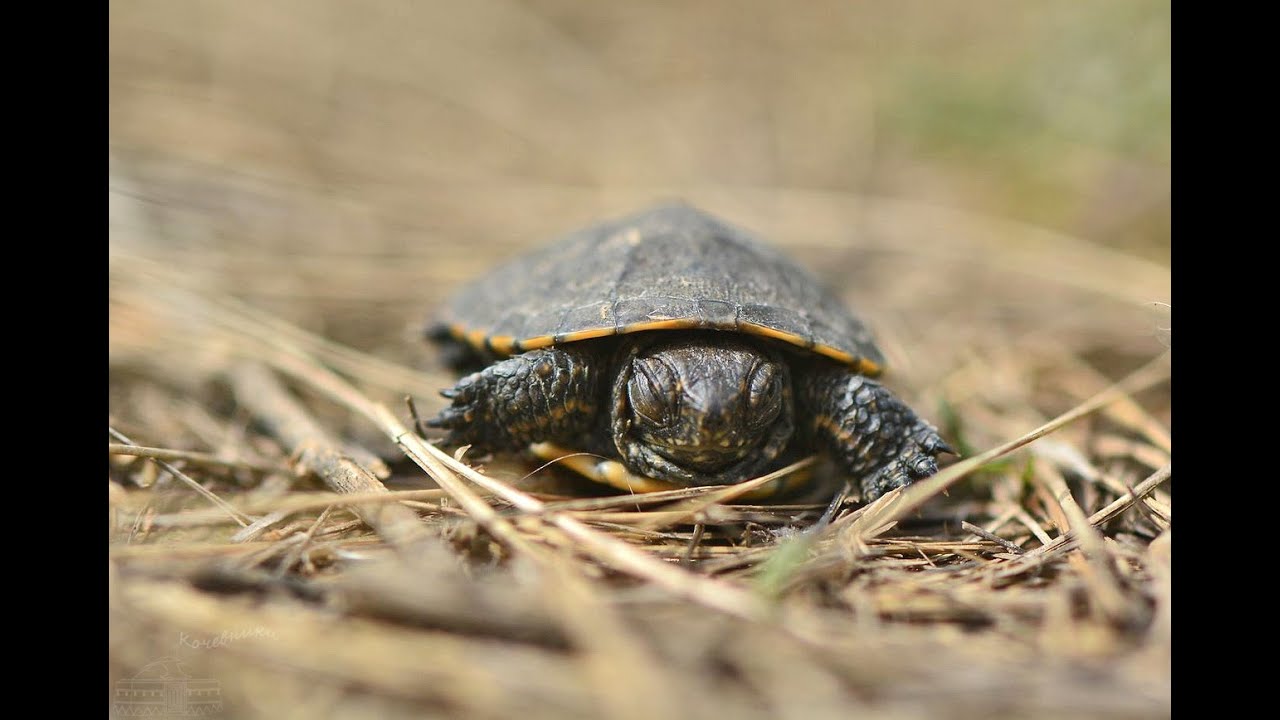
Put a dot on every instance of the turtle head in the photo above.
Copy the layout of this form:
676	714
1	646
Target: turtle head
706	409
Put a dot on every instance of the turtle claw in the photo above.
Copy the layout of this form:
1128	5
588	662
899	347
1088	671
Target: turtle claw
460	414
451	419
938	445
463	395
463	392
914	461
890	477
901	472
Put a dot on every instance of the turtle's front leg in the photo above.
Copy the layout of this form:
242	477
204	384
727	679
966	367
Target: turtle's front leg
872	434
542	395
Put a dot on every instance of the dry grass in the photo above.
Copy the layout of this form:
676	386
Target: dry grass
294	188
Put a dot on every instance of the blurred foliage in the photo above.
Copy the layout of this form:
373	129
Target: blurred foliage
346	165
1054	113
1079	113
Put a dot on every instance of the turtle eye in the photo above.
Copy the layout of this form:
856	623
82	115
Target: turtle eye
652	391
764	395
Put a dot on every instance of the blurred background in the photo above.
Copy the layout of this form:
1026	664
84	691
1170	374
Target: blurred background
961	172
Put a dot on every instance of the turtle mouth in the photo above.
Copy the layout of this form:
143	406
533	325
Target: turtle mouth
706	460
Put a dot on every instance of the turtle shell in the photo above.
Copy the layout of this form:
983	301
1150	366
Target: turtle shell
672	267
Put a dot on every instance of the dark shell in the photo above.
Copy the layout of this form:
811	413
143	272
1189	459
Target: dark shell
670	267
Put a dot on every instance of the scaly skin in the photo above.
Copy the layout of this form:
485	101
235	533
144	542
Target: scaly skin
542	395
873	435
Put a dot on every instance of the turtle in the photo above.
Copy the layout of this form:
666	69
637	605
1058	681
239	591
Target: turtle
683	350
